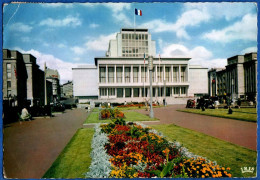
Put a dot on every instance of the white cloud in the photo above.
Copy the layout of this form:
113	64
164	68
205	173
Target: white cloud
249	50
25	39
119	10
61	45
100	43
199	55
68	21
20	27
76	59
187	19
57	5
93	25
227	10
78	50
246	29
64	68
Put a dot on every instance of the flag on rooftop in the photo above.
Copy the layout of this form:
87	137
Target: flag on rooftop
138	12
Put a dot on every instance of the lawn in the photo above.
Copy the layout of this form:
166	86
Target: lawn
75	158
129	116
226	154
244	114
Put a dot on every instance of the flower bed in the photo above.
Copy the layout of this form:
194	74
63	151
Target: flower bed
133	150
134	105
111	114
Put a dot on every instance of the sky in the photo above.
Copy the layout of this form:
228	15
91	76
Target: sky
65	35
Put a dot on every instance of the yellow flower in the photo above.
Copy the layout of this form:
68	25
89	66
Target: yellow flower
203	176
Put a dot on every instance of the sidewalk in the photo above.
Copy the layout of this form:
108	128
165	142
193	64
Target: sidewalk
238	132
30	148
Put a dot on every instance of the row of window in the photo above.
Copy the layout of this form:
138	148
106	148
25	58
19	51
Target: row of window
144	74
157	92
135	36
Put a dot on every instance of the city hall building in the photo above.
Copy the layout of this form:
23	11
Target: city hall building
123	74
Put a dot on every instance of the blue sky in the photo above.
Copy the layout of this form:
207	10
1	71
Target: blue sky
66	35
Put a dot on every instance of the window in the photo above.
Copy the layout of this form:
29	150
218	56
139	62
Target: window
119	92
103	92
160	92
127	92
159	74
8	66
183	74
127	74
167	74
111	71
144	74
154	92
145	92
9	75
175	74
168	91
102	74
111	91
135	75
176	90
9	93
183	90
119	74
136	92
8	84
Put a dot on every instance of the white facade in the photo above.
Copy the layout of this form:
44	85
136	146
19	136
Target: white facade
198	80
85	82
122	76
131	43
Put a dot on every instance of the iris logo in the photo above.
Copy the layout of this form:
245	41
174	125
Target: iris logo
247	169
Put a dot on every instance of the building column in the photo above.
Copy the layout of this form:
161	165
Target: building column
123	92
171	73
116	92
131	74
123	80
106	74
179	91
115	74
179	77
132	92
139	74
107	92
164	72
155	78
140	92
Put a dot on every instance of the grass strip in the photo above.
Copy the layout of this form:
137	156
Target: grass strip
129	116
225	153
75	158
248	114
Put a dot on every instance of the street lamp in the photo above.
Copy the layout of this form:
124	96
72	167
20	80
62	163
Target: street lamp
150	58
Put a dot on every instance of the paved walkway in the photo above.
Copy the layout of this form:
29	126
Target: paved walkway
238	132
30	148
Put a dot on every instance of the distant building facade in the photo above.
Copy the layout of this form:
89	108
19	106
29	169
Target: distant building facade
67	89
14	78
213	81
53	76
237	80
123	74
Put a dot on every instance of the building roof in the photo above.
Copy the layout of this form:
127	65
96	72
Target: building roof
139	58
85	66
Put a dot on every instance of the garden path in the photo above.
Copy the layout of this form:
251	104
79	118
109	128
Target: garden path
238	132
30	148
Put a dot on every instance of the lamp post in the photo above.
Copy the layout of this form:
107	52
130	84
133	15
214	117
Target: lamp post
45	85
150	58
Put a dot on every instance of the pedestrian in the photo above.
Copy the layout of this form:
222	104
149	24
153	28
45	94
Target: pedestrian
25	114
